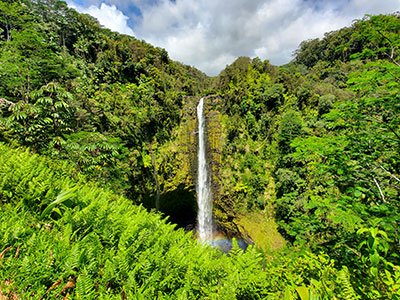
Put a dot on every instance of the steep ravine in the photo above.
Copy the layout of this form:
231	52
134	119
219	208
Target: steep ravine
177	166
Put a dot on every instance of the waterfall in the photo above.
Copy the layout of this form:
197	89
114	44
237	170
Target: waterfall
204	197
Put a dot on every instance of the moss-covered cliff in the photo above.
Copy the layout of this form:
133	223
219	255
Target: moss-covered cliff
176	162
177	168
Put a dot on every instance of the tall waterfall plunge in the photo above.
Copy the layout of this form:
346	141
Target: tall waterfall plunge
204	196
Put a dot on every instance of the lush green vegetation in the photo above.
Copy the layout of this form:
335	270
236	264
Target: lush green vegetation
310	148
75	90
323	132
62	235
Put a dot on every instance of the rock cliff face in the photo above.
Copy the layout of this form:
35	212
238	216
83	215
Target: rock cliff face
178	167
224	213
177	163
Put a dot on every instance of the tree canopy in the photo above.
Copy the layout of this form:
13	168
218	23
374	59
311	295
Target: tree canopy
93	122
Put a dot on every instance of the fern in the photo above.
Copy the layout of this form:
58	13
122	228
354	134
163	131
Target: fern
123	263
72	262
109	274
84	286
347	291
117	250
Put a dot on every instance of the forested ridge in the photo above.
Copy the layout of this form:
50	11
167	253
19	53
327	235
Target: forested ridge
72	89
92	126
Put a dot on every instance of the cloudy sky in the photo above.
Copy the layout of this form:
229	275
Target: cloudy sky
210	34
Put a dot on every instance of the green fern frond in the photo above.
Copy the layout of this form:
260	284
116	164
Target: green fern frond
347	291
84	285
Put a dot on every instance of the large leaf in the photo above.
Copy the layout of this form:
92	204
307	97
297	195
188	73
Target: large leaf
62	197
303	292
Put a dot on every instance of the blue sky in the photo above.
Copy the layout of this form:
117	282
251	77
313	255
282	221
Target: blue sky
210	34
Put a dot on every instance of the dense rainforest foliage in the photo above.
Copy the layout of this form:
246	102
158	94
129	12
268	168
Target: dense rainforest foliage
69	238
72	89
323	132
89	127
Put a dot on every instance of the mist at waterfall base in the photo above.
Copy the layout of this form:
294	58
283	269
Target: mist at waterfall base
205	230
226	244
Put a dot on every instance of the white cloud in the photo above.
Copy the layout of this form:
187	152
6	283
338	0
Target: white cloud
210	34
108	15
363	7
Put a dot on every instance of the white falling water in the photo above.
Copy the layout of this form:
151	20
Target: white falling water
204	198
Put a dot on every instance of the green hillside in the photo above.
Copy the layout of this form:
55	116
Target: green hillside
98	163
74	90
66	237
